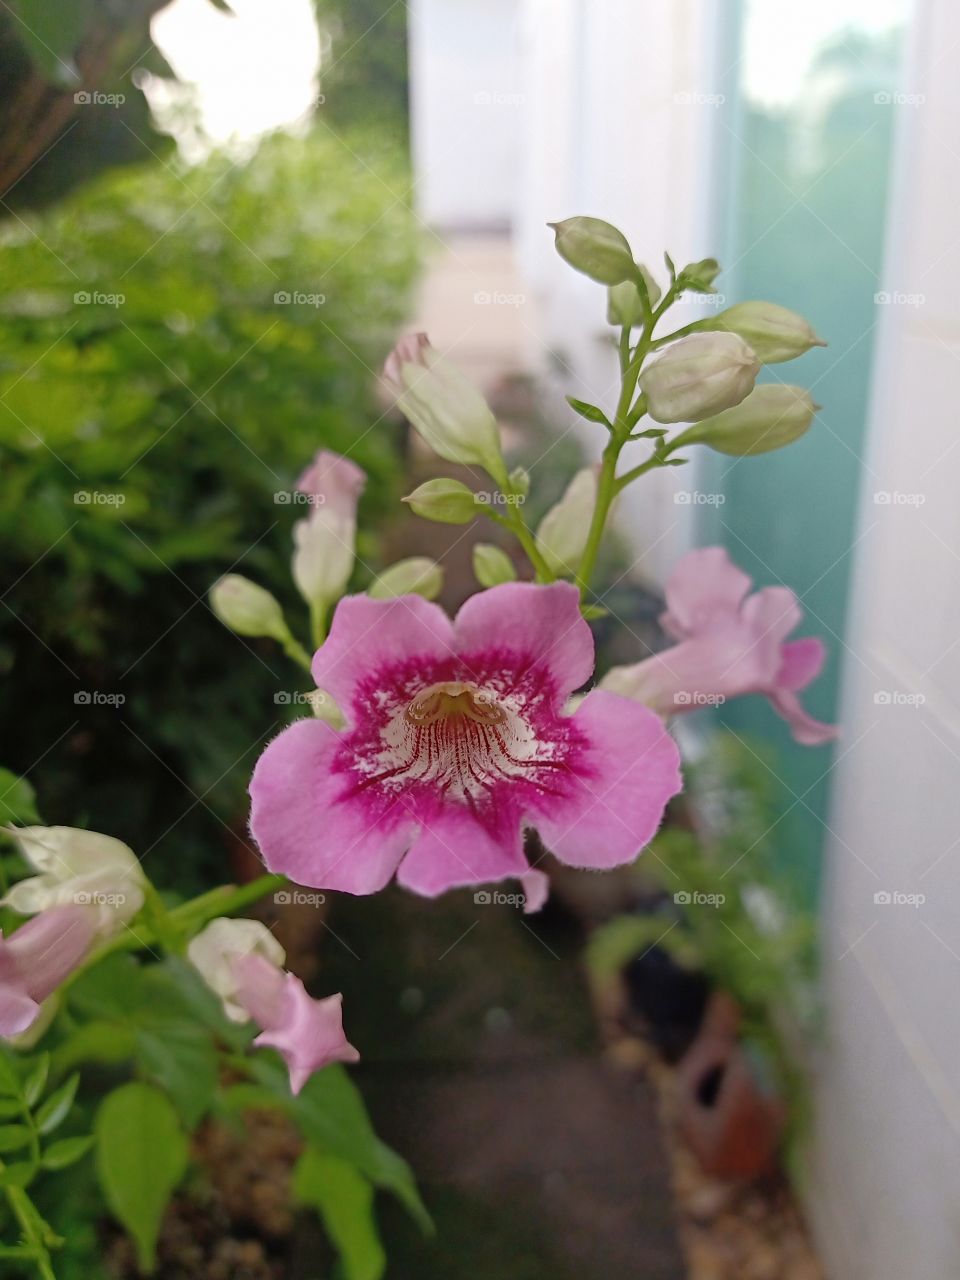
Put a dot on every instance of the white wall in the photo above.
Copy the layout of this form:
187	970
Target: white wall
885	1175
618	127
465	105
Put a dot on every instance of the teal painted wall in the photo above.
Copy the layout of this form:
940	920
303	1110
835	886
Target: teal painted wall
805	188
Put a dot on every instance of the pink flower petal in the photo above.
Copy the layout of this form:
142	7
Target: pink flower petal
704	586
367	635
618	799
334	482
805	729
307	1033
307	826
36	958
536	890
455	849
801	661
258	988
541	625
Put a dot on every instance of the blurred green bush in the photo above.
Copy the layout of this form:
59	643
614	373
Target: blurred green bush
156	393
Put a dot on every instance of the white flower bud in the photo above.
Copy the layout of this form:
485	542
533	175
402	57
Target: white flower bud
417	576
697	376
325	542
78	868
216	948
562	534
492	566
771	416
246	608
773	332
444	405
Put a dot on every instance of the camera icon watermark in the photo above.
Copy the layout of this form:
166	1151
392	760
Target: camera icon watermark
98	898
97	298
694	498
97	498
498	298
896	498
94	98
692	99
890	98
484	498
696	898
298	298
298	898
898	698
297	498
896	898
898	298
684	699
97	698
497	898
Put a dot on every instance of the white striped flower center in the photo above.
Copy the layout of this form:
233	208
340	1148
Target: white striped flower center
460	737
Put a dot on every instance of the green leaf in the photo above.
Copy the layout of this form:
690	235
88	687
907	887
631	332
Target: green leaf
141	1156
9	1080
13	1137
99	1041
66	1152
588	411
330	1113
36	1081
54	1110
183	1061
17	800
10	1107
593	611
344	1199
19	1174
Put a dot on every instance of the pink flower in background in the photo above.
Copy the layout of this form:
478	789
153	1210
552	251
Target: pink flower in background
242	962
325	542
307	1033
36	958
730	643
455	739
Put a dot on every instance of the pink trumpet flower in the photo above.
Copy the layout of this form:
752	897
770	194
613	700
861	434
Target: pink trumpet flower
456	738
307	1033
729	643
36	958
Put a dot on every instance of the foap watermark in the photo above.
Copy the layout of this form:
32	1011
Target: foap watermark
314	698
693	99
98	498
297	498
98	898
297	298
498	98
96	298
298	898
897	898
898	698
896	498
694	498
696	898
497	499
682	699
497	298
98	698
94	98
891	98
497	898
898	298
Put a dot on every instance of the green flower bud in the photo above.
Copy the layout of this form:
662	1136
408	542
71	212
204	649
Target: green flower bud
520	481
417	576
444	405
491	565
446	501
562	533
624	303
247	609
774	332
699	376
596	248
771	416
699	276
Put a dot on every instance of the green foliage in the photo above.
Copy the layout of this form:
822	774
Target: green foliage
142	445
364	81
141	1156
344	1199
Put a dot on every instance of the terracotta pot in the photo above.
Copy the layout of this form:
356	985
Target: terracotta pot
728	1112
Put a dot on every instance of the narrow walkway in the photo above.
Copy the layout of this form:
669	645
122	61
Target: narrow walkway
538	1160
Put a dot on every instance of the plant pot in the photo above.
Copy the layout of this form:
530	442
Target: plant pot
728	1110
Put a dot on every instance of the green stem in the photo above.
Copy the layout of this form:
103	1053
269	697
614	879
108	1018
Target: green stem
295	650
318	623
